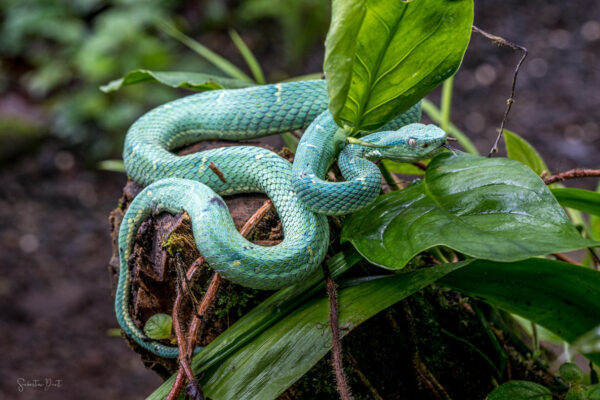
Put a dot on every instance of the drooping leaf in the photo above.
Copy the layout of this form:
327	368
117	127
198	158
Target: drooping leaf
579	199
489	208
174	79
159	326
520	390
521	150
561	297
281	354
382	56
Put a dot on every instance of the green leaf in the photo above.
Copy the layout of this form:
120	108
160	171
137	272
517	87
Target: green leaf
220	62
519	149
254	66
382	56
593	392
403	168
520	390
490	208
262	316
159	326
185	80
571	373
588	343
112	165
561	297
281	354
579	199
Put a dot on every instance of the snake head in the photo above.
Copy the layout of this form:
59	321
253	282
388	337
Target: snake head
410	143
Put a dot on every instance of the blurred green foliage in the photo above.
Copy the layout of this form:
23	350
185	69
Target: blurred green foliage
56	53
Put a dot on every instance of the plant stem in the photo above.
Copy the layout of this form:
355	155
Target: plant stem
572	174
436	116
446	105
389	178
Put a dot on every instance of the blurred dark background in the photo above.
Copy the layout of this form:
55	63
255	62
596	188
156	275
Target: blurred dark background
56	125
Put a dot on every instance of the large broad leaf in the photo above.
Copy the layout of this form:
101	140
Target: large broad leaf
520	390
561	297
281	354
579	199
185	80
382	56
519	149
490	208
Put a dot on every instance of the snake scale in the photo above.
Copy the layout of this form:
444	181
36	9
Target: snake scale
301	195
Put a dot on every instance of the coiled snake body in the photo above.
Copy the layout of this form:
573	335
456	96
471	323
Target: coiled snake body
300	194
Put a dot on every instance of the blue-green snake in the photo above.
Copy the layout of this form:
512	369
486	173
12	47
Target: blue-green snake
300	194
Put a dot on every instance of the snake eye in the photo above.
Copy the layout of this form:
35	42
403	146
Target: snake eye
412	142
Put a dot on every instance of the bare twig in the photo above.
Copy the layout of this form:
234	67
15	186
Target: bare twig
567	259
184	361
424	376
363	378
503	42
336	351
213	167
186	347
572	174
420	165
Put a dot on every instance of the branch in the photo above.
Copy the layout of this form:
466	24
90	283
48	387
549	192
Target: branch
186	348
503	42
572	174
336	351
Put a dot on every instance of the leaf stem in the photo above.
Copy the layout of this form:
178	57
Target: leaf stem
446	104
389	178
436	116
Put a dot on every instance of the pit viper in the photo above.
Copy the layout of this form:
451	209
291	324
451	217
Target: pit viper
301	195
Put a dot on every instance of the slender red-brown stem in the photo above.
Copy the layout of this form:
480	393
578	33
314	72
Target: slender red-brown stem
503	42
186	347
336	348
572	174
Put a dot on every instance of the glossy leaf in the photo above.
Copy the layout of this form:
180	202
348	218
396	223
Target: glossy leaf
520	390
185	80
561	297
519	149
382	56
280	355
579	199
489	208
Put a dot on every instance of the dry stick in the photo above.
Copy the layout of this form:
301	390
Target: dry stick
503	42
572	174
201	309
213	167
363	378
421	370
420	165
336	351
184	366
567	259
